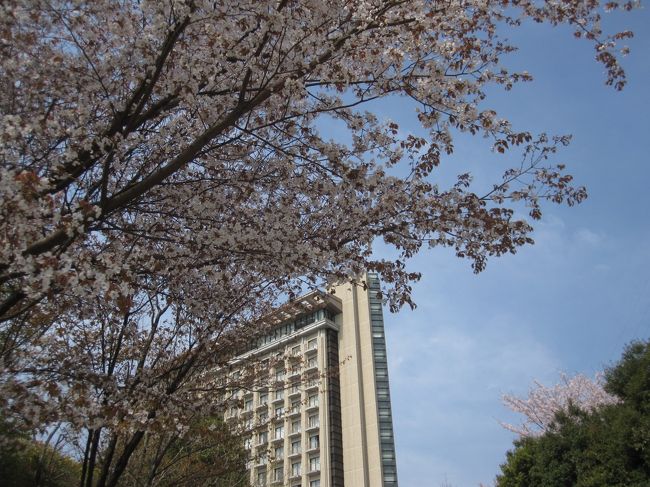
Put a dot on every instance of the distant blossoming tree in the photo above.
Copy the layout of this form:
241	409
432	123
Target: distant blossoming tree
543	403
164	182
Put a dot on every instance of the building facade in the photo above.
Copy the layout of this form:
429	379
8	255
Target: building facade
325	419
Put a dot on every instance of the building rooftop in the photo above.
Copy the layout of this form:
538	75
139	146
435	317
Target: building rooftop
306	303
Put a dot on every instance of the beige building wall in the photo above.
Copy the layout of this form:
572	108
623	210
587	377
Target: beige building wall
363	465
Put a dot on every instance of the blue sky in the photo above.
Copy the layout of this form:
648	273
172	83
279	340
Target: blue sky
569	303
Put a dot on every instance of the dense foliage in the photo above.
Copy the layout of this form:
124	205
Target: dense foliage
26	462
604	447
209	455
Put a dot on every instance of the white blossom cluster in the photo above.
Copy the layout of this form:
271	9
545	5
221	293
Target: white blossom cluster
543	403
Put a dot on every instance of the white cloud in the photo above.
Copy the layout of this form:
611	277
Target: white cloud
586	236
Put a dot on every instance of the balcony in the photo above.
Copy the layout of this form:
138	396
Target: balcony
313	447
295	476
312	385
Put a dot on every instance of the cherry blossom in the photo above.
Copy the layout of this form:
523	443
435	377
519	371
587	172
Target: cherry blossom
543	403
164	182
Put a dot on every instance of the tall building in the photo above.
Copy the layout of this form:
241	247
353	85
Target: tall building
325	420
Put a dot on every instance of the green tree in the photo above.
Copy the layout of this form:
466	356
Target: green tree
26	462
608	447
208	454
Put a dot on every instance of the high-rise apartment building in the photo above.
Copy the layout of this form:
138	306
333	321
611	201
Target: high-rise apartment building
325	419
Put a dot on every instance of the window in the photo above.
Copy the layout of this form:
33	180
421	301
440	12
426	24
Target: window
312	362
305	320
248	405
313	442
263	417
279	411
279	375
295	447
263	459
295	469
278	453
279	394
295	406
314	464
278	474
312	344
295	388
387	455
264	398
295	427
313	421
314	483
312	401
261	478
279	432
295	350
262	437
248	443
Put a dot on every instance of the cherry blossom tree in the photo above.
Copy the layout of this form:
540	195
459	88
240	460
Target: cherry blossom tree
164	183
543	403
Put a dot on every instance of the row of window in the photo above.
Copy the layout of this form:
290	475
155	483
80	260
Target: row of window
313	422
313	443
263	400
278	474
289	327
310	363
279	411
295	449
